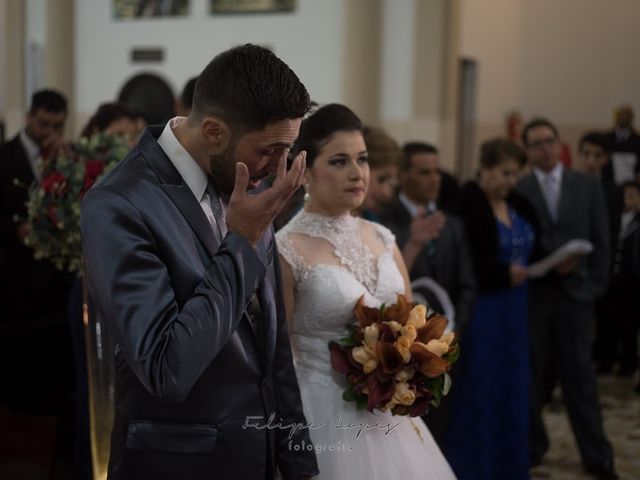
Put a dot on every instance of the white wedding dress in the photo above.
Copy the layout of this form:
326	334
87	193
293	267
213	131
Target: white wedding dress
332	267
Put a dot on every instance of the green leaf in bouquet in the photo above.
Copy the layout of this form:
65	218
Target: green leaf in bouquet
351	340
361	402
453	355
447	383
348	342
349	395
436	387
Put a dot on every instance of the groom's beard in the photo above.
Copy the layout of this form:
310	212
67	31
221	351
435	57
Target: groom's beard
223	169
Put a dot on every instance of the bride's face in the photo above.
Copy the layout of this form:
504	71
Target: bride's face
338	180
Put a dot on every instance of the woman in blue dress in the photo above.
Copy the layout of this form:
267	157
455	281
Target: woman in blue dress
487	437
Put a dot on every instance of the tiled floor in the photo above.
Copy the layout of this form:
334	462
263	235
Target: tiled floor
621	411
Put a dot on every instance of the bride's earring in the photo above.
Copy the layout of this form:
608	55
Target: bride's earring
307	197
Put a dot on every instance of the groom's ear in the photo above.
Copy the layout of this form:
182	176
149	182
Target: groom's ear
216	134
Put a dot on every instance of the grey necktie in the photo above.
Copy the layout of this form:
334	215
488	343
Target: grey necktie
218	211
551	195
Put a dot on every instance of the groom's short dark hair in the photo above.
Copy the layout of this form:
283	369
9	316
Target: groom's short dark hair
249	87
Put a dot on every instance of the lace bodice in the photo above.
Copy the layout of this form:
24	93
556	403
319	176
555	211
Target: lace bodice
334	261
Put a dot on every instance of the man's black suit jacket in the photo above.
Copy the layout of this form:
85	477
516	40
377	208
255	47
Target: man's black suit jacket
447	260
193	384
582	214
29	288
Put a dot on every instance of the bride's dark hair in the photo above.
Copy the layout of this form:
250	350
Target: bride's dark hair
317	129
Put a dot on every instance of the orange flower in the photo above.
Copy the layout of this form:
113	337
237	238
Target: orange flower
340	360
365	315
389	357
433	329
417	316
366	358
398	312
428	363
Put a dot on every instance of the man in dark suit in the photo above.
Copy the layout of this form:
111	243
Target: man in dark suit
180	264
433	244
569	205
624	146
33	294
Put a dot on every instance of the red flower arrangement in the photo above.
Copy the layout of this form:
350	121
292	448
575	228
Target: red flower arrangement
54	202
396	358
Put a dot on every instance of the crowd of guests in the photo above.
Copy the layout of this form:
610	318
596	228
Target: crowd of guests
520	336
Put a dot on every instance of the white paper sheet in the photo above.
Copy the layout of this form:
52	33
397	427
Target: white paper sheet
576	246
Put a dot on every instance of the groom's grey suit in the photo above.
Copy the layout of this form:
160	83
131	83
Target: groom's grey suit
193	373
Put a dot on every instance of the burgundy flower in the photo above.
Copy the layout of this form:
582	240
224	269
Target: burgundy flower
420	406
55	183
92	170
340	359
52	215
380	391
389	357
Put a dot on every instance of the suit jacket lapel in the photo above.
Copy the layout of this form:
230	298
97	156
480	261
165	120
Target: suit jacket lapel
179	192
175	187
537	198
20	164
564	203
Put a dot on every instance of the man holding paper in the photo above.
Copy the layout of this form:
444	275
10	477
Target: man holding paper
570	206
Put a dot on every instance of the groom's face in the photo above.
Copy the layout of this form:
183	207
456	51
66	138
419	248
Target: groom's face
260	150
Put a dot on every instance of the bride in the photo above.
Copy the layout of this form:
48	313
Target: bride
329	259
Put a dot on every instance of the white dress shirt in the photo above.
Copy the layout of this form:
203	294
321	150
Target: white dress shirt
551	185
190	172
413	207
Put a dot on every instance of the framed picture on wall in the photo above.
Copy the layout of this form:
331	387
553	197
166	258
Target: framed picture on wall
251	6
132	9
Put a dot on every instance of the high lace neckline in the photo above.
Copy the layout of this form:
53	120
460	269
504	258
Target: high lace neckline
343	233
346	221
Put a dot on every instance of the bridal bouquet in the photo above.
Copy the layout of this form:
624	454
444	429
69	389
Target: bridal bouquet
396	358
54	203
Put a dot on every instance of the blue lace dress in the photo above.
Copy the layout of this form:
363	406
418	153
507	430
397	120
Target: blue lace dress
487	436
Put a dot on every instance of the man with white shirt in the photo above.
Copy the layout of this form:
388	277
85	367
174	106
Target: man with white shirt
433	244
35	356
569	205
179	254
29	288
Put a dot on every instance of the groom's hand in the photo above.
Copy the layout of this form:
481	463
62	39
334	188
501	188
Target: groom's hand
250	215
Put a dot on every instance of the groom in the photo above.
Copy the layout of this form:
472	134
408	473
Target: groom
180	265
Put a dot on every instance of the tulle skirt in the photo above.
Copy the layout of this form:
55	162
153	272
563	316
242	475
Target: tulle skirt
354	445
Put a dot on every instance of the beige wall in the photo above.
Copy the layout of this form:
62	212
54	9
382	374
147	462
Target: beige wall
361	81
12	31
59	61
572	61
